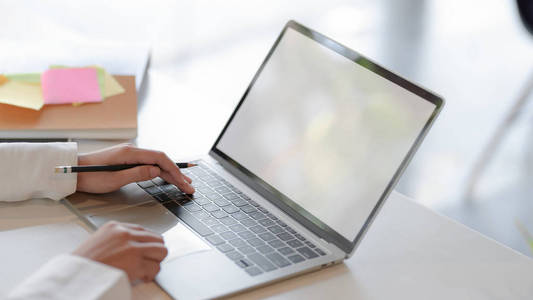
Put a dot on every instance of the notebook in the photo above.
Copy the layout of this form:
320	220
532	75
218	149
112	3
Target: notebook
114	118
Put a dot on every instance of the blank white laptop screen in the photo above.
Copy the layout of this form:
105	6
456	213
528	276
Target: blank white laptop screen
324	131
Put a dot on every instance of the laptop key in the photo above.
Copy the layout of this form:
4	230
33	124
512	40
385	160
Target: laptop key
319	251
311	245
213	196
248	222
279	260
253	271
265	249
238	242
258	229
300	237
248	208
168	188
252	202
281	223
145	184
211	207
214	183
262	262
215	240
210	222
255	242
154	190
221	202
201	215
266	222
275	229
246	234
228	235
237	228
201	200
179	197
239	215
286	251
192	207
263	210
222	189
289	229
308	253
243	263
186	217
225	248
276	243
239	202
205	190
246	250
231	196
219	228
230	209
257	215
159	181
296	258
294	243
285	236
219	214
228	221
267	236
162	197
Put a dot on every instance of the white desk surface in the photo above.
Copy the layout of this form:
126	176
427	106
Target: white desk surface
409	252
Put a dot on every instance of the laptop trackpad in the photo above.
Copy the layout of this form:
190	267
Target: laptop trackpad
179	240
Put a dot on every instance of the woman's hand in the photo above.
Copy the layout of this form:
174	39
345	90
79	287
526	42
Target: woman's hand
103	182
128	247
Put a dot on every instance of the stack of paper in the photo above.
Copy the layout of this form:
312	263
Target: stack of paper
58	85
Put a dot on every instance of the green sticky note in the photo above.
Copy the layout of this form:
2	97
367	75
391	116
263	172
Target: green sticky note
25	77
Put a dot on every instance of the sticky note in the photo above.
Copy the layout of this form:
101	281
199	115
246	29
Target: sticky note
61	86
27	95
25	77
3	79
109	86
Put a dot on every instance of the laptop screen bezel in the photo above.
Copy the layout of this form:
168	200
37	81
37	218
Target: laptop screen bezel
283	202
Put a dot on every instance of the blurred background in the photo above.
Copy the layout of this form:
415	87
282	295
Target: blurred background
477	54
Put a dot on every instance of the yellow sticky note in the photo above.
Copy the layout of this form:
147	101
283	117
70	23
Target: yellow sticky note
111	86
23	94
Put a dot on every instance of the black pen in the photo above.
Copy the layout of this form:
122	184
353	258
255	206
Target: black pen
109	168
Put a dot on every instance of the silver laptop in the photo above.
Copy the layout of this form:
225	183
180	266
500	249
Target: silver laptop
295	178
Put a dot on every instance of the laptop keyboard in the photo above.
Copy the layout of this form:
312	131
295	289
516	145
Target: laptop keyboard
247	233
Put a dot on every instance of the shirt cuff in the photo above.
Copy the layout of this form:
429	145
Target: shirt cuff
73	277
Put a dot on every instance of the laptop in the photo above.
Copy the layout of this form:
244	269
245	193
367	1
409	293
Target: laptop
295	178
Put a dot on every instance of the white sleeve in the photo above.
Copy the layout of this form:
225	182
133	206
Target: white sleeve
74	277
27	170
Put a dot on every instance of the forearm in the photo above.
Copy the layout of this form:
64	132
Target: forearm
27	170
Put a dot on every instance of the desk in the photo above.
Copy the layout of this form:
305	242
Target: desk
409	252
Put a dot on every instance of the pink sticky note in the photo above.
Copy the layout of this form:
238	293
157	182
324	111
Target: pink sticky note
70	85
